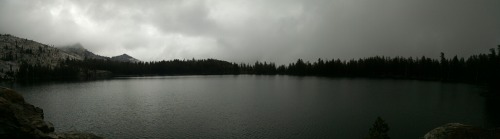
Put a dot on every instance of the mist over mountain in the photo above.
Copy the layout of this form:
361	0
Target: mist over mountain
80	51
16	51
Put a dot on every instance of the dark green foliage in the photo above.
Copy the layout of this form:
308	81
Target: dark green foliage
172	67
498	49
482	68
28	51
379	130
9	56
37	72
9	74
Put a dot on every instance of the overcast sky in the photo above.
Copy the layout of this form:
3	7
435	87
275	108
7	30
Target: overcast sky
249	30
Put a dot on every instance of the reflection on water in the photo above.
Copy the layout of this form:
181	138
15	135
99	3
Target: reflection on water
492	106
247	106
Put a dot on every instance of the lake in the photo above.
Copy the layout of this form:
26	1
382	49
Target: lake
253	106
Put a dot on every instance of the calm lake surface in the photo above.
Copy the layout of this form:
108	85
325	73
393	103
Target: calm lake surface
248	106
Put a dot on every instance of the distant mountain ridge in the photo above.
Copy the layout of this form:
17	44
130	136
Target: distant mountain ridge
79	50
124	58
15	51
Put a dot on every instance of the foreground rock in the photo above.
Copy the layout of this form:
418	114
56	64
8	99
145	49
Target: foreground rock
461	131
19	119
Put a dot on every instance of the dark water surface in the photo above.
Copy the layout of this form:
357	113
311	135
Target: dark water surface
247	106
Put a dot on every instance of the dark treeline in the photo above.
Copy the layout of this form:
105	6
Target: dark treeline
476	68
172	67
38	72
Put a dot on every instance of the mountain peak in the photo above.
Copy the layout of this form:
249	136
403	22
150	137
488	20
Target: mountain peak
124	58
126	55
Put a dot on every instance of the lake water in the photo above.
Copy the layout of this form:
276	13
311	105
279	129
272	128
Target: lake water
248	106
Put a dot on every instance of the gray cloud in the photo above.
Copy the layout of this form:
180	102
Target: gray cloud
246	31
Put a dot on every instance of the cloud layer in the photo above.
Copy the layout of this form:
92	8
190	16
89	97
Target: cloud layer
250	30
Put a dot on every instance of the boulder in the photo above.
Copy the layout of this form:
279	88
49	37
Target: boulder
19	119
461	131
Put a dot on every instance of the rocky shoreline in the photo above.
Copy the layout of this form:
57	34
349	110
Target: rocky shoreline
19	119
461	131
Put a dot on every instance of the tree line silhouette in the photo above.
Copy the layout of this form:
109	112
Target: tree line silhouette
481	68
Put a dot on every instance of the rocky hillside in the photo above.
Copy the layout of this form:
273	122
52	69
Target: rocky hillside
19	119
14	51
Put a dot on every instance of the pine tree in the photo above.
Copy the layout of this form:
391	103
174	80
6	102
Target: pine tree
379	130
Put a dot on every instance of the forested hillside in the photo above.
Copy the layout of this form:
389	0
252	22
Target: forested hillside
23	59
478	68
